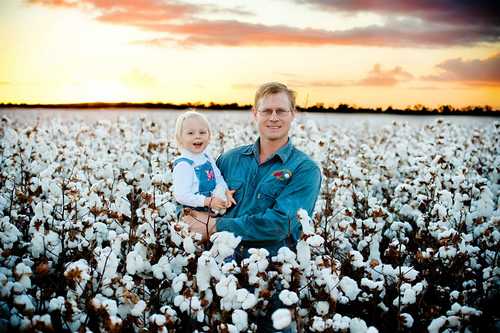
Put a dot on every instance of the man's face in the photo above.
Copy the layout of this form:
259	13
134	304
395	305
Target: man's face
273	116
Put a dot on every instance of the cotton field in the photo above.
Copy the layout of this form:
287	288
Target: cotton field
405	235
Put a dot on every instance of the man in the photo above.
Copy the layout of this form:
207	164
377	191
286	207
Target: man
272	179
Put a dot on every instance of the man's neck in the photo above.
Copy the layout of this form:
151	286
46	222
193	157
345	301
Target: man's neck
267	148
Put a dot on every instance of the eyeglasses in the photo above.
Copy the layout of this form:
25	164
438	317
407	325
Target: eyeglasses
280	113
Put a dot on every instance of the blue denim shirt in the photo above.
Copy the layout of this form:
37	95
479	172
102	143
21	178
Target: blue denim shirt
268	195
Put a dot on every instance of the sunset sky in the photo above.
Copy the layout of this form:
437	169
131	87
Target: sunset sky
398	53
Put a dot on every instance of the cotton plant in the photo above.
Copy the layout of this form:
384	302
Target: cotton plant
408	214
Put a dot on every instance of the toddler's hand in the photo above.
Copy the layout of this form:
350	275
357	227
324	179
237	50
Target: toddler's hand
230	198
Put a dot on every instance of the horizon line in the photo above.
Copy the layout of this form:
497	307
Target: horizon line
317	107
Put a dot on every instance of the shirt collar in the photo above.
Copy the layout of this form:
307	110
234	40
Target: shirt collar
189	154
283	153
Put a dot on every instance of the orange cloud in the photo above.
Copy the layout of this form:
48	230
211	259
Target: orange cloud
379	77
375	77
130	12
235	33
475	71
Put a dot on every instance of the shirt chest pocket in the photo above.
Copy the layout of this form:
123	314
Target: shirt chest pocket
268	192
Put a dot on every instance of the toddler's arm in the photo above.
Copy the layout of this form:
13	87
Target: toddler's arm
182	177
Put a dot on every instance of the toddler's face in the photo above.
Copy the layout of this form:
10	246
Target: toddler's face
195	135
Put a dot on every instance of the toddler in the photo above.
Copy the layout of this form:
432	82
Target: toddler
195	175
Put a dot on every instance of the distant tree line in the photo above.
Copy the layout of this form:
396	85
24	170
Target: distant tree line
317	108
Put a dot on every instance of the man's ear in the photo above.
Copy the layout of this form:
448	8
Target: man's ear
254	113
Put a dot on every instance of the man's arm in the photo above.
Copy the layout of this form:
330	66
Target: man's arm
276	222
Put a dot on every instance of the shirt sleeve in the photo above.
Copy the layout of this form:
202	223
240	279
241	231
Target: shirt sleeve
280	220
182	177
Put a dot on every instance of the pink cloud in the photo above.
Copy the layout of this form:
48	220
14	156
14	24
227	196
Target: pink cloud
475	71
165	17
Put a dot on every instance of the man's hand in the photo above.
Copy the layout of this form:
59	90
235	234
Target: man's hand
230	198
201	223
214	202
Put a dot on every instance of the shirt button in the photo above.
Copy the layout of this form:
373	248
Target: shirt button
258	196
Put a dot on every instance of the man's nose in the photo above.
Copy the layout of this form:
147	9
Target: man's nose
274	115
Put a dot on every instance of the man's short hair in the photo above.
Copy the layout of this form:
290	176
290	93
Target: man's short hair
272	88
180	122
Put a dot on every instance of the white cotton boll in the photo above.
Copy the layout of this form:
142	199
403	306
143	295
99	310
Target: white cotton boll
107	263
305	222
318	324
340	323
18	288
377	285
288	297
226	286
303	254
407	319
178	282
322	307
436	324
175	237
10	136
349	287
224	244
43	319
249	302
240	319
138	309
178	300
454	295
25	281
136	260
356	259
220	193
145	183
200	315
357	325
21	269
24	303
285	255
188	245
409	297
203	275
241	295
10	234
195	303
315	241
56	304
282	318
